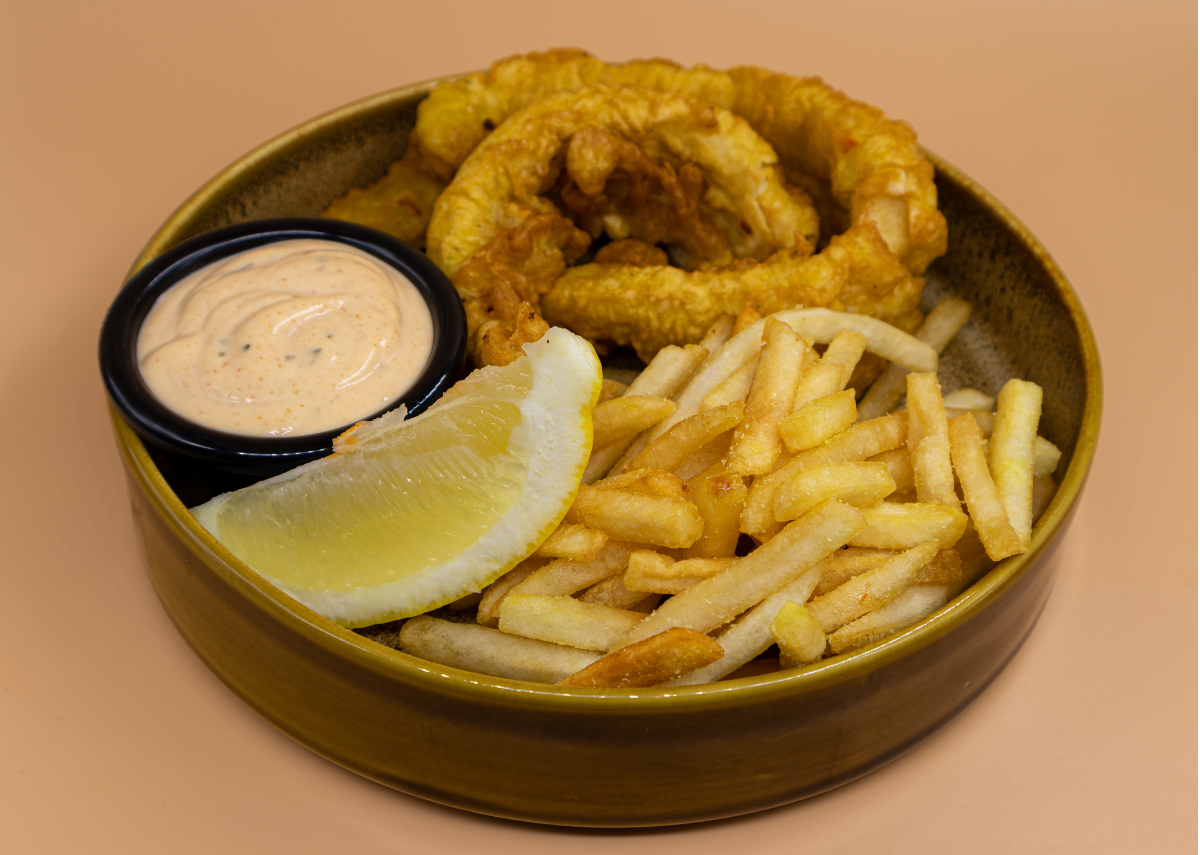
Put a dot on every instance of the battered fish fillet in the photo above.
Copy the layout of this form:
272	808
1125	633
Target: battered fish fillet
400	203
872	166
651	307
745	200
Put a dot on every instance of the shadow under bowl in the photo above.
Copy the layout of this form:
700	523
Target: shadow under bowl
613	758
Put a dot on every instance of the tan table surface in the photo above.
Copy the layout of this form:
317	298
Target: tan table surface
1079	116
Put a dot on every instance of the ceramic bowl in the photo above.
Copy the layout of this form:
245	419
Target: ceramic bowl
192	448
608	757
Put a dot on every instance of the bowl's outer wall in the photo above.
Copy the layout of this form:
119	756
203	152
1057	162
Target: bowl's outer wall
607	759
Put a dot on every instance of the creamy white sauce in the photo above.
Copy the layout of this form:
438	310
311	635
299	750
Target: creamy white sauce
291	338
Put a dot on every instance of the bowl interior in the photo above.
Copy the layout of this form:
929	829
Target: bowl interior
1026	322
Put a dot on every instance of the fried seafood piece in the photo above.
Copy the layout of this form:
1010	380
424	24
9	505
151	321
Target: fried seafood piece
459	113
633	252
651	307
856	163
503	242
400	203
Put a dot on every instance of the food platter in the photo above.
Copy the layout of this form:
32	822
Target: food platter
621	757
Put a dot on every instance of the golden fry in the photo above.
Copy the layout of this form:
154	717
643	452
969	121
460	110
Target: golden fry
488	613
859	484
872	589
893	526
687	437
831	375
612	592
706	458
818	420
735	387
747	317
915	604
799	636
929	442
565	620
627	416
899	464
983	499
651	572
576	542
1018	410
720	501
652	482
562	577
637	517
653	660
609	389
756	442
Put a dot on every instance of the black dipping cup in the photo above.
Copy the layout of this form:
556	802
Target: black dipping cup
214	461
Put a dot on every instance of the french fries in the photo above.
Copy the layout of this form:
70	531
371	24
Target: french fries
627	416
858	527
718	599
983	499
870	590
637	517
565	620
489	651
893	526
720	499
653	660
916	603
857	484
666	374
799	636
1018	410
576	542
929	442
818	420
939	327
687	437
756	442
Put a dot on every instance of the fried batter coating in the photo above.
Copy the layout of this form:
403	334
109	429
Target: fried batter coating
400	203
651	307
632	252
872	167
745	210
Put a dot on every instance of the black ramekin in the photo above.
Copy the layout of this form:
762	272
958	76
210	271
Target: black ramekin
250	458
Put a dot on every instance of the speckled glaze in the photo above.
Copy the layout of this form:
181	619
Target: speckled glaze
607	757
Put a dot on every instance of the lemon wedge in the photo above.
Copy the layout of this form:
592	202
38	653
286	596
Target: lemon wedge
411	515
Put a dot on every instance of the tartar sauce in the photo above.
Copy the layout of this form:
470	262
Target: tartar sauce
290	338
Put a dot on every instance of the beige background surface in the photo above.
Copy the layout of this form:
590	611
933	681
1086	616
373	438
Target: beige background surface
1080	116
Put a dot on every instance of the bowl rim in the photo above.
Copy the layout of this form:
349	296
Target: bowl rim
400	667
161	426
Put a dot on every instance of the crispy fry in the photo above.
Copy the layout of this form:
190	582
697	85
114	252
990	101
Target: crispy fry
941	325
489	605
751	634
756	442
653	573
929	442
1045	458
899	464
818	420
859	484
565	620
686	438
652	482
609	389
491	652
718	599
627	416
872	589
666	374
1044	488
984	418
735	387
637	517
857	442
893	526
562	577
983	499
576	542
969	399
651	661
833	372
748	316
706	458
800	638
612	592
1018	409
720	500
915	604
718	334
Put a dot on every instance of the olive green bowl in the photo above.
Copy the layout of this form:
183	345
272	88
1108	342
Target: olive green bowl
607	757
